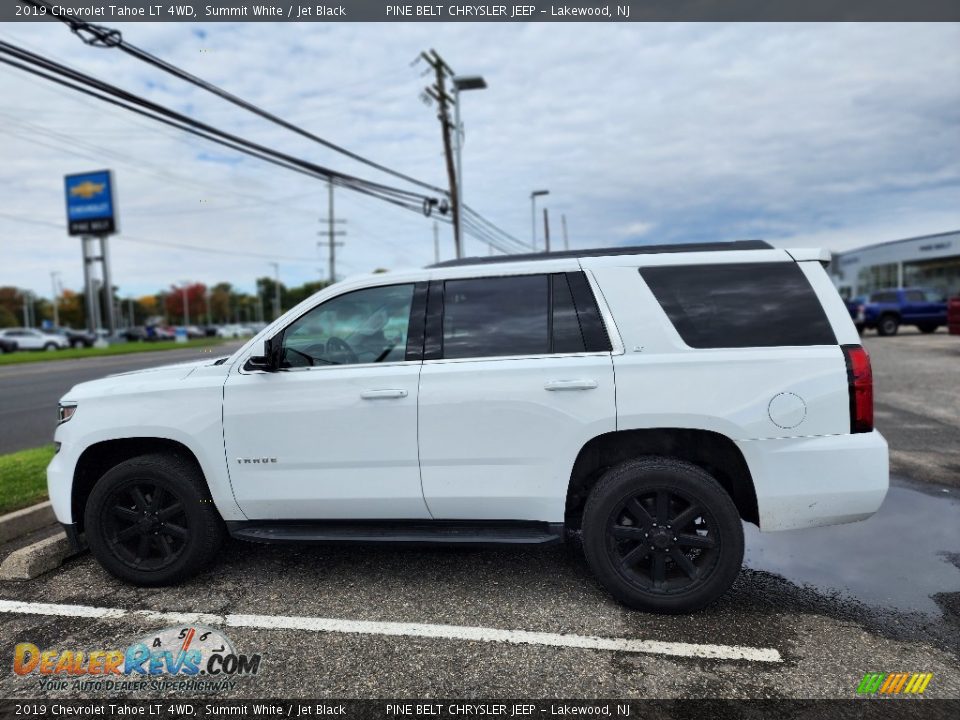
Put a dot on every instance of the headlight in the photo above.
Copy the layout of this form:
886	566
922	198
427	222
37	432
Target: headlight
65	412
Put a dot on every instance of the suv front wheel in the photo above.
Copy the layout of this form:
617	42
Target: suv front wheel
150	520
662	535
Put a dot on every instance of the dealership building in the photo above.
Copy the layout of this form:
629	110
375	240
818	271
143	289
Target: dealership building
931	261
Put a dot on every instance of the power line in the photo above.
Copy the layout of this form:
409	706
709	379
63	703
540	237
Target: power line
76	80
98	35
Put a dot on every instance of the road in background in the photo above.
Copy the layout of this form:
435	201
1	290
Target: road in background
29	392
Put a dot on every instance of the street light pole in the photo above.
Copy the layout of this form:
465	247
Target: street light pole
462	82
533	216
56	295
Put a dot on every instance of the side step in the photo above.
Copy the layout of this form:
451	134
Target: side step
408	533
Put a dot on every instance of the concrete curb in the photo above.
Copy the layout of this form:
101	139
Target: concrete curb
21	522
33	560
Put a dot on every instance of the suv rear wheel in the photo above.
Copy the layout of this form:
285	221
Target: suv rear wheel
888	325
150	521
661	535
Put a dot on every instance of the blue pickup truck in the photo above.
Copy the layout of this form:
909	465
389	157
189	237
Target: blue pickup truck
887	310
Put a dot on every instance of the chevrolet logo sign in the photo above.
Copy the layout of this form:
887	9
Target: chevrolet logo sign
87	189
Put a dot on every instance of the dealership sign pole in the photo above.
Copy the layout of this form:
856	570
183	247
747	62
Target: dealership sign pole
91	214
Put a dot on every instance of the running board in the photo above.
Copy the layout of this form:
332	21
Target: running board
409	533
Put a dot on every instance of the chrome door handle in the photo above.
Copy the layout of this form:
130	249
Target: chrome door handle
382	394
571	385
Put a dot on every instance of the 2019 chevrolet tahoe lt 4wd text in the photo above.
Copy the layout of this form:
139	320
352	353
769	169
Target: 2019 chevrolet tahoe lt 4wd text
650	398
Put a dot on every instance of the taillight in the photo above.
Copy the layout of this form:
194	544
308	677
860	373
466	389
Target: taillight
860	383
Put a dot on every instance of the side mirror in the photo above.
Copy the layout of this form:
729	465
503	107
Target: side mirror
263	357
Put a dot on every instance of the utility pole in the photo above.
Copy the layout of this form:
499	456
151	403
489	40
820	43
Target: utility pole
25	294
56	295
546	230
276	290
331	235
566	240
438	92
436	242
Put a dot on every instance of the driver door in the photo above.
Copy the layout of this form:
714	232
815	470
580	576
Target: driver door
333	433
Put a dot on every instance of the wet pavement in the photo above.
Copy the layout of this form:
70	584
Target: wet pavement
899	559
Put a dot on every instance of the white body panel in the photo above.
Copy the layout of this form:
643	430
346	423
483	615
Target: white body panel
497	444
482	438
341	452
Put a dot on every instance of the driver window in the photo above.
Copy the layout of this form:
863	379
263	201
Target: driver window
365	326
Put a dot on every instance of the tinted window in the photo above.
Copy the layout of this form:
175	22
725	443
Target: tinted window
491	317
883	297
567	337
913	296
366	326
740	305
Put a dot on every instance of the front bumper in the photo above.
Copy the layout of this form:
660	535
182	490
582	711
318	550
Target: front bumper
811	481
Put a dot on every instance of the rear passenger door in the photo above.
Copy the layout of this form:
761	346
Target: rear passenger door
517	376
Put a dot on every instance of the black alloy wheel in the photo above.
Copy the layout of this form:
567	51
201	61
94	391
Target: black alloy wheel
145	525
662	540
662	535
150	520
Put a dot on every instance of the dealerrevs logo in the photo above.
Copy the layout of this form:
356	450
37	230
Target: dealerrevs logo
191	657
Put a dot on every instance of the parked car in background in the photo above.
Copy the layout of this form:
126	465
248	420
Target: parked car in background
234	331
76	338
888	309
134	334
855	306
7	345
158	332
30	339
195	333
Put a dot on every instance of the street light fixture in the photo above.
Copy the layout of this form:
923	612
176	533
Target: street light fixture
533	215
462	82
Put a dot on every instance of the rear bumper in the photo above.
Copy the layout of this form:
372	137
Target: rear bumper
811	481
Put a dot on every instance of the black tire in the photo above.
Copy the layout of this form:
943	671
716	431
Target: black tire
182	536
684	571
50	347
928	328
888	325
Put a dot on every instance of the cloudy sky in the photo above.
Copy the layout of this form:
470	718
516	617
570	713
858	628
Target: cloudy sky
836	135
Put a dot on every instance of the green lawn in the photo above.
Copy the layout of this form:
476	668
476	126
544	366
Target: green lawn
23	478
16	358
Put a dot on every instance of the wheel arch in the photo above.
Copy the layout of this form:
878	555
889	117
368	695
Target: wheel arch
714	452
100	457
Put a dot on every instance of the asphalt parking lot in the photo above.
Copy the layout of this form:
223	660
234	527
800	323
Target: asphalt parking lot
810	614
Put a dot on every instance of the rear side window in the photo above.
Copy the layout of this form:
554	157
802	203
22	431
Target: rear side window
499	316
740	305
884	297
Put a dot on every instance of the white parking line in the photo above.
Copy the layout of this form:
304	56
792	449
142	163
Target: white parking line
421	630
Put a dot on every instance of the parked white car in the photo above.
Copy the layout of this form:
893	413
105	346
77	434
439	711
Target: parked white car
234	331
30	339
648	400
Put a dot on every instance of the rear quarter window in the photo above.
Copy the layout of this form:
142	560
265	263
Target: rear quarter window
740	305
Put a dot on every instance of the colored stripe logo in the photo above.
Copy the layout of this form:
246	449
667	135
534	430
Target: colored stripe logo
894	683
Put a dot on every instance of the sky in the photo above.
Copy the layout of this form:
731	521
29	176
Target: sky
833	135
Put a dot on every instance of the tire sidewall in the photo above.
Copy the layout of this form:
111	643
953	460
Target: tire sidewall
688	481
129	473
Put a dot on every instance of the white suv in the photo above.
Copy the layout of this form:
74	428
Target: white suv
649	398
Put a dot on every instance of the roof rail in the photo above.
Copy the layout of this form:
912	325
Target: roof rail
600	252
